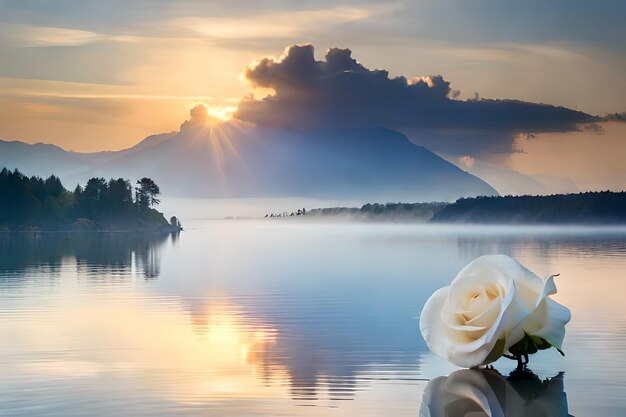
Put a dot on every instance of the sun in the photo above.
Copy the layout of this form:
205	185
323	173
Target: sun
202	113
223	113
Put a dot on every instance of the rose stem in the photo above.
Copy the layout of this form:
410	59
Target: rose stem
522	361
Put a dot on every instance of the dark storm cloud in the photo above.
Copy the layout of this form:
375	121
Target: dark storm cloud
340	93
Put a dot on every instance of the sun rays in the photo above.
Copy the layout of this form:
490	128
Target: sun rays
215	131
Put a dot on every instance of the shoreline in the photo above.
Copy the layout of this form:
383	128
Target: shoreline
86	231
391	221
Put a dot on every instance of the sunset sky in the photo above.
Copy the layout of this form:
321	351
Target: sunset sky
93	75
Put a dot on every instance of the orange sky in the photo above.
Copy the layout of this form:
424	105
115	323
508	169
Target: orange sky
593	160
91	77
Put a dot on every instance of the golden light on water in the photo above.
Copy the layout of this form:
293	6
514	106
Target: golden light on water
208	351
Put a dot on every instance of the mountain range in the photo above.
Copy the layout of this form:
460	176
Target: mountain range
236	159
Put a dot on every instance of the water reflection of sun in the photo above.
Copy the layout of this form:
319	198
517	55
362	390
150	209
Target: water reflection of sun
222	326
213	353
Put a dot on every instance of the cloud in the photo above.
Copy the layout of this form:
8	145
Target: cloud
45	36
276	24
201	115
34	36
341	93
618	117
466	161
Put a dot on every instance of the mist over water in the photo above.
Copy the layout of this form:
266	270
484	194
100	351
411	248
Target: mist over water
281	317
221	208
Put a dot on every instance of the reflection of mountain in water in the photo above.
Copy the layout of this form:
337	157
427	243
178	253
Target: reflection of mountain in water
116	253
323	350
341	325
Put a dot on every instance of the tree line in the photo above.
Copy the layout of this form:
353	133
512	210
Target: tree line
34	200
418	212
101	198
287	214
602	207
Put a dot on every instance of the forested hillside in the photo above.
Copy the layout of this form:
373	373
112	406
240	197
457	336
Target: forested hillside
35	203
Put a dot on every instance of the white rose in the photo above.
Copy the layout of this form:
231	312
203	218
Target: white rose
490	305
486	393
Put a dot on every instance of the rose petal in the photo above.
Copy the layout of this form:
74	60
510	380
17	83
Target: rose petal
431	326
549	318
549	321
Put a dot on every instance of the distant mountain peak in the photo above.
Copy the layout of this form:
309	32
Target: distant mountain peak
207	158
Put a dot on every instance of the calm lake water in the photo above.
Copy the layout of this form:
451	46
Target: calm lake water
286	318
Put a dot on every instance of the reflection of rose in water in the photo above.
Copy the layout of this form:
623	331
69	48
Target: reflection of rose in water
480	393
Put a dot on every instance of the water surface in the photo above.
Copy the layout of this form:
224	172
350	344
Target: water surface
284	318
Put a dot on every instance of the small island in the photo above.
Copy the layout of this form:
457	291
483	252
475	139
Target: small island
33	204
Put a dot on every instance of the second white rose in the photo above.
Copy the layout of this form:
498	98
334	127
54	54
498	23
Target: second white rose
489	307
